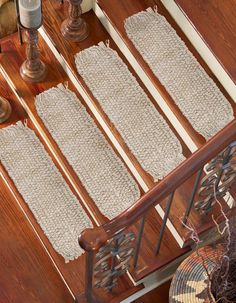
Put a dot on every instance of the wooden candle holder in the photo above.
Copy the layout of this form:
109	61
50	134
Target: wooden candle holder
5	109
33	69
74	28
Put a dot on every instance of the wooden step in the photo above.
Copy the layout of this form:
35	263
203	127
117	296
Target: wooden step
73	272
114	24
215	23
157	295
54	14
27	273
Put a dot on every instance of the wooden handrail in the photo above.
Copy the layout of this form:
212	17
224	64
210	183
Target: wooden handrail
160	191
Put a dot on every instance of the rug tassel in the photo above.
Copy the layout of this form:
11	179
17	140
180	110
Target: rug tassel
25	122
107	43
155	8
66	84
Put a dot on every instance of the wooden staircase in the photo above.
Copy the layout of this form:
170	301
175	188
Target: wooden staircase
65	282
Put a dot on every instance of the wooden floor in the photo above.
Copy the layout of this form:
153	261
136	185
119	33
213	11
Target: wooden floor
30	270
157	295
220	32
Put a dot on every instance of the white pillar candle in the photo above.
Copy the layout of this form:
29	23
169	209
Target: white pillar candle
86	5
30	13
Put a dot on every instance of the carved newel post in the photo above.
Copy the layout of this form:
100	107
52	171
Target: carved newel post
5	109
74	28
33	69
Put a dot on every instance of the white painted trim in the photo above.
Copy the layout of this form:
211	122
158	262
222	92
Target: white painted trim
201	47
107	130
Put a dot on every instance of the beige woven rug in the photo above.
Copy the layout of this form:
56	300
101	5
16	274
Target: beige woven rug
101	171
191	88
143	129
43	188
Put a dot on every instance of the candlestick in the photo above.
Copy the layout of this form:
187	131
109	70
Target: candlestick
5	109
33	69
30	13
74	28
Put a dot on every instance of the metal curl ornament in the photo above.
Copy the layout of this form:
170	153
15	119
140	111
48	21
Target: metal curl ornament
221	175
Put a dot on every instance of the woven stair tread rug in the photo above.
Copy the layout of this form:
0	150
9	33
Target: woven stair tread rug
194	92
43	188
101	171
128	107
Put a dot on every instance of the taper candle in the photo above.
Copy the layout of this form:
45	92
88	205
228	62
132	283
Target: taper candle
30	13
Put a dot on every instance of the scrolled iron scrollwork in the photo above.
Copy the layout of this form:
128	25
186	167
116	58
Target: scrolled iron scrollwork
112	260
221	174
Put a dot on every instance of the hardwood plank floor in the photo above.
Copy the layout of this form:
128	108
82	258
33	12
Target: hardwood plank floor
215	21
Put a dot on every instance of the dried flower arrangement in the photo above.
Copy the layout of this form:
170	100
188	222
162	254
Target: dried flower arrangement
215	268
222	279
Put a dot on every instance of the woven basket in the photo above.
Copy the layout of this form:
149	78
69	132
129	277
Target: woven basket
190	282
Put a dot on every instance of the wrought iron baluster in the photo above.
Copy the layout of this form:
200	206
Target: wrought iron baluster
113	260
167	211
221	175
225	163
194	191
139	240
114	254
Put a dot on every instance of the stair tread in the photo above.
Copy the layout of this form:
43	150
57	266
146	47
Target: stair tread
54	14
142	128
193	91
123	11
22	254
215	21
